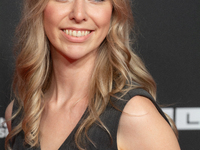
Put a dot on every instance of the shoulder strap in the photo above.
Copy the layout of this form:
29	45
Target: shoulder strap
144	93
121	100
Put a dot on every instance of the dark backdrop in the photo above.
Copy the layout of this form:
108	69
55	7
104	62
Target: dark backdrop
169	44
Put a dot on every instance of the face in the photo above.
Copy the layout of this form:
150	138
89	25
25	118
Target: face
76	28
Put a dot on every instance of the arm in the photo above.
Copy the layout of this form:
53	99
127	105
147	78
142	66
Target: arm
141	127
8	115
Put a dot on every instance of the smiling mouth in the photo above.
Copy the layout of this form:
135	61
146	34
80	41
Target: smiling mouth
76	33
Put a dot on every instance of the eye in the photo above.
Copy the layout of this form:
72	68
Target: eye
97	1
62	0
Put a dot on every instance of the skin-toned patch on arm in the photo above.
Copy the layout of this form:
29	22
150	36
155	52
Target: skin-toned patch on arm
142	127
8	115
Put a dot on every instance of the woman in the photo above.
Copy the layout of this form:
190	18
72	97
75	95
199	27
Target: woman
77	83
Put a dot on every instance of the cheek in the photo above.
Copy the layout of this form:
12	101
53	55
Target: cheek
47	18
50	22
103	17
51	16
107	18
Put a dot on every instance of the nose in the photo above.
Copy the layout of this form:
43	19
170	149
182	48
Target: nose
78	12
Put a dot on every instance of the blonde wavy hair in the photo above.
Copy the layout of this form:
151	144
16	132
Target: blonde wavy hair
116	64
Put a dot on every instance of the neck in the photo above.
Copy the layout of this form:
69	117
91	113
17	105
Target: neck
70	80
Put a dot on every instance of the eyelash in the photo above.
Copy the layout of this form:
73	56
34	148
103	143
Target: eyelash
90	0
62	0
98	0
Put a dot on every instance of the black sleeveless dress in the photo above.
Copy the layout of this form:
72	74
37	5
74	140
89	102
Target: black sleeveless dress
101	139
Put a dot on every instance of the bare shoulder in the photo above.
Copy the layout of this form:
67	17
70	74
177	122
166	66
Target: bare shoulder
142	127
139	105
8	115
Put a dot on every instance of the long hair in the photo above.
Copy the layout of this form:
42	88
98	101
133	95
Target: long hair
116	63
31	71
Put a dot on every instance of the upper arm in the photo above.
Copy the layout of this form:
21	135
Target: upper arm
8	115
142	127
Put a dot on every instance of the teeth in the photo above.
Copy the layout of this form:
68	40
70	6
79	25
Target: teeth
73	33
70	32
76	33
79	33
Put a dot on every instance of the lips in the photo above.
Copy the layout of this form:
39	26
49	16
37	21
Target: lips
77	33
